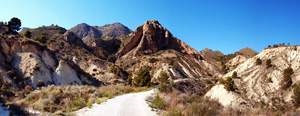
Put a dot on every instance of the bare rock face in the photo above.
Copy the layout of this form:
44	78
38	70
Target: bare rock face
32	66
65	74
113	30
210	54
86	32
151	37
71	38
239	59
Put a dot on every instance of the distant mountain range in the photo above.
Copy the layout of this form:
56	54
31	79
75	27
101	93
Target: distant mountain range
87	32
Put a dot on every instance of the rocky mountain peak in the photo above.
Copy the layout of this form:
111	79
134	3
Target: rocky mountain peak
210	54
248	52
151	37
113	30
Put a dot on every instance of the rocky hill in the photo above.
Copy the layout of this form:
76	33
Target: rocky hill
259	83
210	54
247	52
88	33
113	30
61	60
153	47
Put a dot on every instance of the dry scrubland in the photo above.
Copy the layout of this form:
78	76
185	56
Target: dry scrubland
61	100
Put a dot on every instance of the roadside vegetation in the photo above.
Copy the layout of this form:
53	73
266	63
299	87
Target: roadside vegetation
61	100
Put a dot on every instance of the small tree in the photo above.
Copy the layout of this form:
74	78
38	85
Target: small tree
142	78
268	63
27	33
258	61
234	74
296	96
164	84
43	39
163	77
224	69
14	24
229	84
287	80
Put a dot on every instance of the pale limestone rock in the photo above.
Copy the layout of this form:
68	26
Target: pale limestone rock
32	66
65	74
254	78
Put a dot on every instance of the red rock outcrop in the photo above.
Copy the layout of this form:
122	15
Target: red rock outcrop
151	37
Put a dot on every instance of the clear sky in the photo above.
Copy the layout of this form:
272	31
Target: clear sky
224	25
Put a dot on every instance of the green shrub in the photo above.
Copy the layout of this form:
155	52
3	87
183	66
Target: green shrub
225	69
171	62
229	84
165	87
258	61
110	96
287	80
143	78
221	80
89	104
164	84
27	33
270	80
158	103
79	102
113	69
234	74
163	77
99	101
42	39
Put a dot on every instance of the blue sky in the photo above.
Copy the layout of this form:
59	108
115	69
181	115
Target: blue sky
224	25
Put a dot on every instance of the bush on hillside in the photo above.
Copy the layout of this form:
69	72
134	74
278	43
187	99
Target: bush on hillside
229	84
164	84
27	33
258	61
115	70
142	78
129	79
287	80
234	74
270	80
296	96
268	63
225	69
